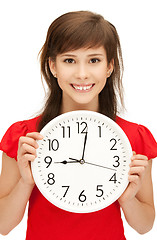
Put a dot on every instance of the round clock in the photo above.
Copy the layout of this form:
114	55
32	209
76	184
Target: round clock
82	162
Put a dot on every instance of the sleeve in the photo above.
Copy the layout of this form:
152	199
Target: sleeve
9	142
145	143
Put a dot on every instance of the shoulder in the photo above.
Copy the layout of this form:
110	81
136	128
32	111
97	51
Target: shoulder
140	137
9	142
32	124
127	126
131	129
24	126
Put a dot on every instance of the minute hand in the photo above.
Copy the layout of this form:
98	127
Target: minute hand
93	164
100	166
85	140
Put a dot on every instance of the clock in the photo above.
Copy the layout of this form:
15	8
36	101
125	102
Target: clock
82	162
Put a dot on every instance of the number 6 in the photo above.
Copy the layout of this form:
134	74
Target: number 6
82	197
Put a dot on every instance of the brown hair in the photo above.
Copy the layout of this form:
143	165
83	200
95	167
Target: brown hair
72	31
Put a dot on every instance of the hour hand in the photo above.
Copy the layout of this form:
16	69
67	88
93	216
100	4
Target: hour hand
65	162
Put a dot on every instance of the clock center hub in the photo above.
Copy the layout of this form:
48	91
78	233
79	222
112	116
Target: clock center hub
82	161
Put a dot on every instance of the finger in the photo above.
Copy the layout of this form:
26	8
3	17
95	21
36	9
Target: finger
25	148
139	163
29	141
35	135
137	170
134	153
133	178
29	157
139	157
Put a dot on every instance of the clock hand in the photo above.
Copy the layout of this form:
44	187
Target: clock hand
82	162
85	140
65	162
101	166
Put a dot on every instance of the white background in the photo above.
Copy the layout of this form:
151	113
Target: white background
23	26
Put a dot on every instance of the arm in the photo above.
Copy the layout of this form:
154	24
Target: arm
16	183
13	195
137	201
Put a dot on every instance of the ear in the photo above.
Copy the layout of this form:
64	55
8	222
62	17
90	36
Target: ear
110	68
52	66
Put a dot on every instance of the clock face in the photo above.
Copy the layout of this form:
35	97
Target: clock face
82	162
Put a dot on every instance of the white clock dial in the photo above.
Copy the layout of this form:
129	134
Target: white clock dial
82	162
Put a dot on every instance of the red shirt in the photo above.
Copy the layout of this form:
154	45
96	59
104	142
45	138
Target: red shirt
45	221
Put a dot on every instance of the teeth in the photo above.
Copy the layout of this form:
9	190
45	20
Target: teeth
82	87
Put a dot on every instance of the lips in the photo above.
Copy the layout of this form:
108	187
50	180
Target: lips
86	87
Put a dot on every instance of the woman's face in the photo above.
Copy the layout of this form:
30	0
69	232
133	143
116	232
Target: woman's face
81	74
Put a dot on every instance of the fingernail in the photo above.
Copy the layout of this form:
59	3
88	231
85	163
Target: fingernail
41	136
37	145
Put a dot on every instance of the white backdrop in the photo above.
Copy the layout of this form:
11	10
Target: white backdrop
24	26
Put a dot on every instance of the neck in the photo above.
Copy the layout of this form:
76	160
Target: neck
67	107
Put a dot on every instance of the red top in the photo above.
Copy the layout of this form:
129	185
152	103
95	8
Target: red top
45	221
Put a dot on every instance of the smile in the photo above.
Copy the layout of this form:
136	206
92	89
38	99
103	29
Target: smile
82	87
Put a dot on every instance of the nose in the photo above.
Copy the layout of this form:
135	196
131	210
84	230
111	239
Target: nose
82	72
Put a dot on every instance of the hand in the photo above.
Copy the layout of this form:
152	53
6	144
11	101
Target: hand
137	171
65	161
85	140
26	154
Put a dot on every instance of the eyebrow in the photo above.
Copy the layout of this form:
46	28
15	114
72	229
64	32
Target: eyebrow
90	55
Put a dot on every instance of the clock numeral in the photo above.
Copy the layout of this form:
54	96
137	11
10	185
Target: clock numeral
114	144
67	188
84	125
66	133
117	161
113	178
51	180
99	131
48	160
101	192
53	144
82	197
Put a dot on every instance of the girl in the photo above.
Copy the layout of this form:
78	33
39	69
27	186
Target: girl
81	62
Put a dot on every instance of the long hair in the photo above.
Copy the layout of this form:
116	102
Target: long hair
71	31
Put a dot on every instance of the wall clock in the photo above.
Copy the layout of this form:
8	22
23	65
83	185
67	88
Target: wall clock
82	162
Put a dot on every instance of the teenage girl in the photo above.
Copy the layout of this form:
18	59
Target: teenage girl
81	62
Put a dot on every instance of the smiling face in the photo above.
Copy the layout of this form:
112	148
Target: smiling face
81	74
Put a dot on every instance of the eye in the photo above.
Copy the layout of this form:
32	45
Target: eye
94	60
69	60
